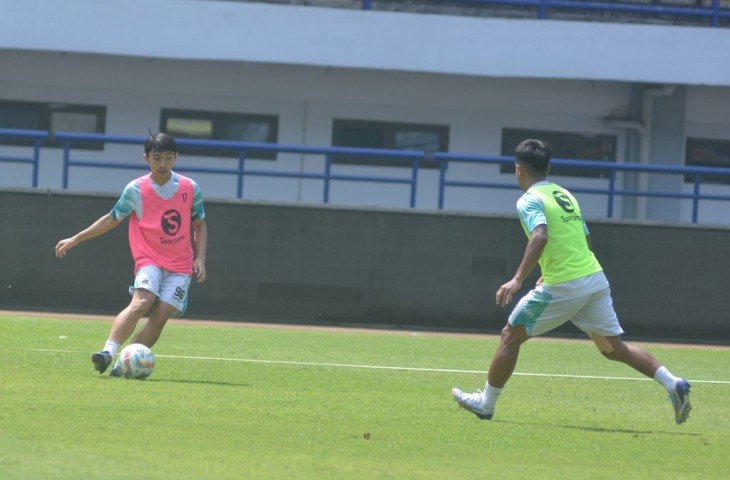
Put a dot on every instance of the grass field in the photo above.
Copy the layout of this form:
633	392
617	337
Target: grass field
231	402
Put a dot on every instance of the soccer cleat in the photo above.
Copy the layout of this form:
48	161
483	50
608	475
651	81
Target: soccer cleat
101	361
116	370
680	401
474	402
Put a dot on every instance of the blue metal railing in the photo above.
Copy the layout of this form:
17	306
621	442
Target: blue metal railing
611	169
241	170
36	136
713	12
411	158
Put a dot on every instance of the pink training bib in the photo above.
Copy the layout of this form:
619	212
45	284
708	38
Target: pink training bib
163	236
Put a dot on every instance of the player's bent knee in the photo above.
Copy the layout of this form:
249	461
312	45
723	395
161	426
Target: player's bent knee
604	346
514	335
611	356
142	305
611	347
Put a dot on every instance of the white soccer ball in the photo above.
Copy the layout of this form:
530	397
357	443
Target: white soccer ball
136	361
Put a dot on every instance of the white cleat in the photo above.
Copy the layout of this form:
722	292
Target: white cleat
474	402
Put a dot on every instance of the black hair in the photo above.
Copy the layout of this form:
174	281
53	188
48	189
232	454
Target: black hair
160	142
534	154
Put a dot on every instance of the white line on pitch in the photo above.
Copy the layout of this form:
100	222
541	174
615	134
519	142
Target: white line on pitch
385	367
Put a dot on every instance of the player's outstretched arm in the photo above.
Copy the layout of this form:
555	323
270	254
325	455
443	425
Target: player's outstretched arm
99	227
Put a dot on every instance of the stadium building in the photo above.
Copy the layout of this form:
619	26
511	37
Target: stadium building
645	88
638	91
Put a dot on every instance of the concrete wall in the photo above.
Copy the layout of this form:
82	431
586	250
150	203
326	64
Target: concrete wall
305	264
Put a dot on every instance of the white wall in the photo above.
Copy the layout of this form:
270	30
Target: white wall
469	74
706	116
307	99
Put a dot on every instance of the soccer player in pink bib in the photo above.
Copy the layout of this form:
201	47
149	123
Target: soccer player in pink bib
163	207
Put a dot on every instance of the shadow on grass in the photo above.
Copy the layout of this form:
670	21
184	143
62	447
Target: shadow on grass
201	382
602	430
187	381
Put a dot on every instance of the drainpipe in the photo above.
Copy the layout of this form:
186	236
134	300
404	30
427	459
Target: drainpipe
302	162
643	126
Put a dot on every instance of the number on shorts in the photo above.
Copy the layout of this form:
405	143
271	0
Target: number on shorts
179	294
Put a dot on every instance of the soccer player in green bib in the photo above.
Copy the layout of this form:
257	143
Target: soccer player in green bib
572	288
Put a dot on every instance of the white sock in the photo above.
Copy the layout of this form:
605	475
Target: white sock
665	378
110	347
491	395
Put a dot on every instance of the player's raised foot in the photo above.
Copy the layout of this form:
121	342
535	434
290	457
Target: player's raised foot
680	401
101	361
474	402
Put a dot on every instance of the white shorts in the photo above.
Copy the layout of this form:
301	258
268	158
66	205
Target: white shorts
586	302
170	287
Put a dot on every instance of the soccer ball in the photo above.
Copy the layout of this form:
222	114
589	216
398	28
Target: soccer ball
136	361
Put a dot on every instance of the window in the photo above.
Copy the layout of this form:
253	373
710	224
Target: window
565	145
52	117
390	136
236	127
704	152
